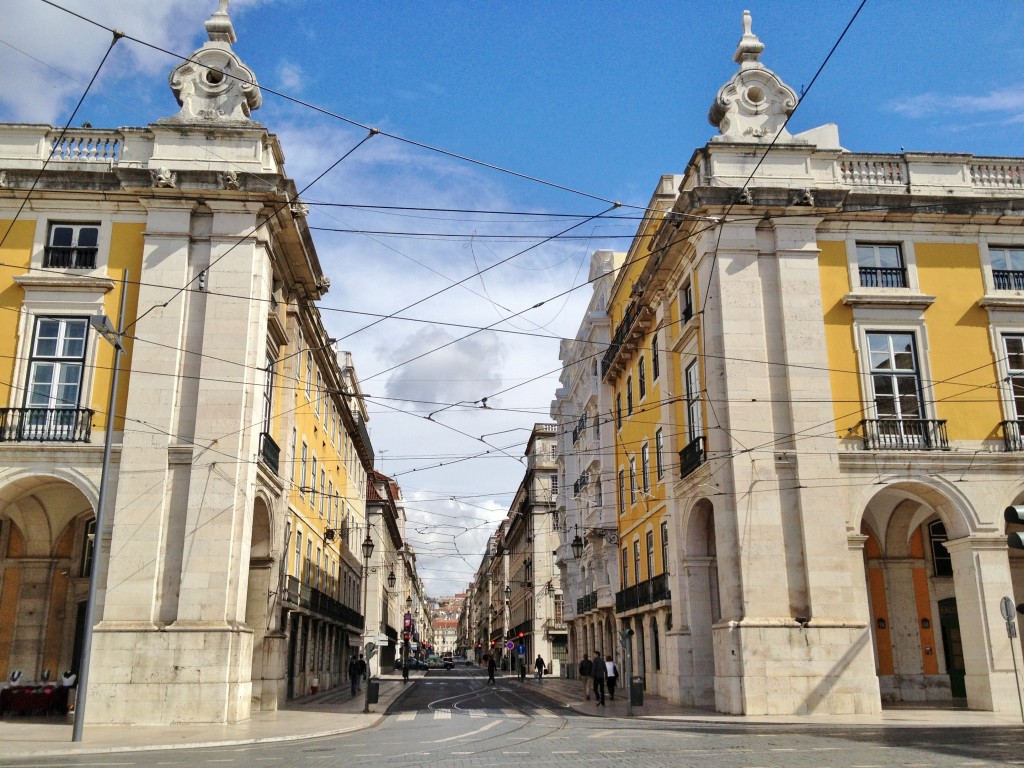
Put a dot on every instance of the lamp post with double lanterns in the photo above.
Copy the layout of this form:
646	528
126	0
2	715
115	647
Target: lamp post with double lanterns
367	552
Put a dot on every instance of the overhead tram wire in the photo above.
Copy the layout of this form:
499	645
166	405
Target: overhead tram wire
116	36
350	121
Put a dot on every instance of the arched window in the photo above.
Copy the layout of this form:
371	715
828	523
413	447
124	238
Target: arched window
655	644
942	562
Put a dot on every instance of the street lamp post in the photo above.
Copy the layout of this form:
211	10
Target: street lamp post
368	550
103	327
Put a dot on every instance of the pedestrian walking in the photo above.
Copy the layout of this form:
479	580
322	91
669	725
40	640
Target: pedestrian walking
362	671
354	673
490	669
613	675
586	670
539	665
522	669
600	677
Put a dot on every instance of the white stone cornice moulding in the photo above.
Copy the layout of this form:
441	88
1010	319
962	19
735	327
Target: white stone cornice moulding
65	283
1012	301
901	300
780	622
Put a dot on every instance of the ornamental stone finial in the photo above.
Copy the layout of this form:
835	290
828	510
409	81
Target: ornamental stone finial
213	85
750	47
755	104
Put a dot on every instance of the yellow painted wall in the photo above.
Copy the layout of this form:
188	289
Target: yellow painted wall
15	254
842	356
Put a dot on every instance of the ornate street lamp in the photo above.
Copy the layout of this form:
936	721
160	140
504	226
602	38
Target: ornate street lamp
577	547
391	580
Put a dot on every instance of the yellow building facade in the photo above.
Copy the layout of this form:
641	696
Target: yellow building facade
840	339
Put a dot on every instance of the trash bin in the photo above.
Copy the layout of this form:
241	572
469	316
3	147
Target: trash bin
636	691
372	691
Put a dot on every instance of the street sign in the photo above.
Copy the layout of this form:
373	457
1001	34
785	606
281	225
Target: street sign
510	645
1006	608
521	650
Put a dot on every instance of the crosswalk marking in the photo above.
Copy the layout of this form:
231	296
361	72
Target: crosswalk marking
406	717
442	714
477	713
511	713
448	714
545	713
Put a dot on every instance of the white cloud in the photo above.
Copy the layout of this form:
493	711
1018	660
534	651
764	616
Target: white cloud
1008	100
289	77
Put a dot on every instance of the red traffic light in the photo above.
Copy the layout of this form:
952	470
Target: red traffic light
521	635
405	636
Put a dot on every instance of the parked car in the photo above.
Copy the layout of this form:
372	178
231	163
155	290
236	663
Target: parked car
461	661
414	663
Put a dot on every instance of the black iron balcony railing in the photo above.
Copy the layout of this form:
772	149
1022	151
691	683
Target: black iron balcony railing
692	456
1012	435
905	434
621	332
883	277
69	257
270	453
586	603
56	425
1008	279
645	593
305	596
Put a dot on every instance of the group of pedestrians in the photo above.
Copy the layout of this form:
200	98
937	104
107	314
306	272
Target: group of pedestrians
597	674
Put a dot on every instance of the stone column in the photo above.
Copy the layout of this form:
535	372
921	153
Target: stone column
981	578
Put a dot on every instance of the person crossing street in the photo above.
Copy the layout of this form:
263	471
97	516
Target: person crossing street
539	665
586	670
600	677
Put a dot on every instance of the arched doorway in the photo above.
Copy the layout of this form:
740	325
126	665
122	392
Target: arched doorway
701	604
46	550
260	616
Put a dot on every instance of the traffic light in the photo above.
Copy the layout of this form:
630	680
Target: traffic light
521	635
479	646
625	636
405	636
1014	516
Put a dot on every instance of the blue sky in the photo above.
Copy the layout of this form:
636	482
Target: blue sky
600	97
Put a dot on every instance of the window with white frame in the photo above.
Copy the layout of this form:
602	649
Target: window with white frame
317	393
625	567
1007	268
686	302
622	492
294	450
650	554
632	479
71	246
298	555
1013	349
629	395
645	467
664	546
659	448
268	393
636	561
880	265
302	466
895	379
312	483
641	372
323	480
694	419
618	410
655	361
309	374
55	368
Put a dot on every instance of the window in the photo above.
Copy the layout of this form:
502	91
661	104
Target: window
309	374
694	420
319	389
331	507
268	393
307	565
71	246
664	546
655	362
618	410
298	555
302	467
659	448
312	484
55	376
881	266
636	561
625	567
622	492
554	487
1007	268
1013	349
597	430
629	395
942	561
323	479
894	375
598	493
632	479
88	549
650	554
686	302
55	369
641	372
645	467
294	450
317	573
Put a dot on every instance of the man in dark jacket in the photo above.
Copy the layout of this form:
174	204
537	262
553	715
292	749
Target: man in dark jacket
354	673
600	676
586	670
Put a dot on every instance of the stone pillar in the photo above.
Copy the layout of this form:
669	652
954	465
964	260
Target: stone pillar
981	578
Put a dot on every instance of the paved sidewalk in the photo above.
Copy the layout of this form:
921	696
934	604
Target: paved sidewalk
337	712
